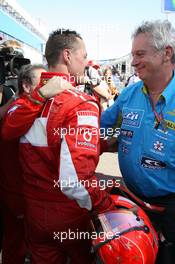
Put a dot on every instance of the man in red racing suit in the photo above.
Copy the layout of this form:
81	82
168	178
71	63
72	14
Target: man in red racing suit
59	154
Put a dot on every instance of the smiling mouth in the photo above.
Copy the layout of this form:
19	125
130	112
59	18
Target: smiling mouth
139	70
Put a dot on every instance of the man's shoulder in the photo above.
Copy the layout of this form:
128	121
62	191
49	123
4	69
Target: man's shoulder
69	102
133	88
73	97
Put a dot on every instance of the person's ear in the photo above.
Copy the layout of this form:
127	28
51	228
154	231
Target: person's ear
168	53
67	56
26	87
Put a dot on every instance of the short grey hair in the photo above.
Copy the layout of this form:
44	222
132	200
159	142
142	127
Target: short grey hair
27	75
162	33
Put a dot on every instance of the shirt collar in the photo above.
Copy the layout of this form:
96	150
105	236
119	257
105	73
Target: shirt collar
168	92
45	76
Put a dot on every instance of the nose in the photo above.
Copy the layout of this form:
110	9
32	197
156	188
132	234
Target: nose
134	61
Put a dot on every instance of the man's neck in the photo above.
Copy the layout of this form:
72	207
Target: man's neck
157	85
61	68
154	98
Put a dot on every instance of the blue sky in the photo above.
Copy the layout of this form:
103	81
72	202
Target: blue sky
106	26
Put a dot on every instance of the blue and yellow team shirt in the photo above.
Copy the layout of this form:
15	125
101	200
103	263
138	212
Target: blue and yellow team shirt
146	149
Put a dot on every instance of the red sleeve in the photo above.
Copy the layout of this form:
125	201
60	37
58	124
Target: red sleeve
79	157
19	117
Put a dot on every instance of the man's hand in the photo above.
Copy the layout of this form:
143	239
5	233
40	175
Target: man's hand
54	86
108	145
112	144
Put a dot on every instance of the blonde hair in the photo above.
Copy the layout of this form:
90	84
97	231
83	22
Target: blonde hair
11	43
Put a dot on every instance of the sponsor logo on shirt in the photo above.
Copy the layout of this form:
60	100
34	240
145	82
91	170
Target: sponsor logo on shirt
170	124
152	163
127	142
124	149
132	117
87	118
158	146
87	132
126	133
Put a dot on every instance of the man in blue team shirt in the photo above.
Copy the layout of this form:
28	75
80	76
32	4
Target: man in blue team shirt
146	113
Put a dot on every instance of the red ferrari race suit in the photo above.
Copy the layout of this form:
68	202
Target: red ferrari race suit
11	180
59	154
12	203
